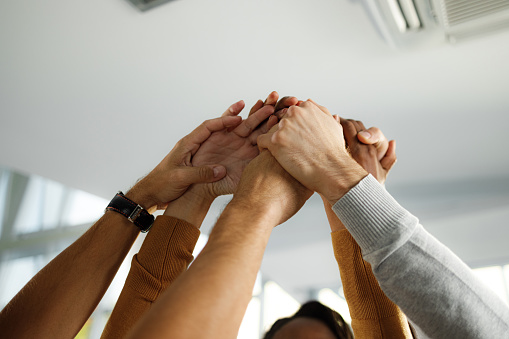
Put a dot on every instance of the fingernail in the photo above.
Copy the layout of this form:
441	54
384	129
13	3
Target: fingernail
365	134
217	171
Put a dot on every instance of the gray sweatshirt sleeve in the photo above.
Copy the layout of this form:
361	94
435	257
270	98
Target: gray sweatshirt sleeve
431	285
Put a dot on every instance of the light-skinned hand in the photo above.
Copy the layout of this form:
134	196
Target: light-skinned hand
309	144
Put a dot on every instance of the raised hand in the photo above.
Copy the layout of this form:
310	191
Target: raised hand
309	144
370	148
235	147
175	173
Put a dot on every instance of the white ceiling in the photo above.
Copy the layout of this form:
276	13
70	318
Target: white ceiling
94	93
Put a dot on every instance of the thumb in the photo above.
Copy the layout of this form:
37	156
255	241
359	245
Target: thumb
204	174
374	136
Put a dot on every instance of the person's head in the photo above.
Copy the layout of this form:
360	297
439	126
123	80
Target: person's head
312	320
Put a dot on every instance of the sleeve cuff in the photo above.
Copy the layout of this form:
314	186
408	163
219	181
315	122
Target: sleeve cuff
372	216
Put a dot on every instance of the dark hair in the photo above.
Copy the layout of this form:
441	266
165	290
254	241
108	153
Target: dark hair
315	310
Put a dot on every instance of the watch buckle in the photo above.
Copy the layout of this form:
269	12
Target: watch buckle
135	214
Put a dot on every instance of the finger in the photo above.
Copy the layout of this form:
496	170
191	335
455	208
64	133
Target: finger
350	132
356	124
281	113
264	128
361	125
286	102
203	174
271	99
193	140
256	107
234	109
374	136
251	123
273	120
390	157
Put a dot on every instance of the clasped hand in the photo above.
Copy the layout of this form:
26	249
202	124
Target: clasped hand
307	152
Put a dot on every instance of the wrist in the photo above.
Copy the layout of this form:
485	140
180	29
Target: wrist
342	179
192	206
256	210
142	197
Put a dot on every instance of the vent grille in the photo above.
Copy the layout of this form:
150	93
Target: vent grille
460	11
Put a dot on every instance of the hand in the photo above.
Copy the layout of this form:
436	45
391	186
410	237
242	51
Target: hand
309	144
370	148
172	176
266	186
235	147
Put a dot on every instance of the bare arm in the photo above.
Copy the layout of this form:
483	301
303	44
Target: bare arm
209	300
60	298
167	250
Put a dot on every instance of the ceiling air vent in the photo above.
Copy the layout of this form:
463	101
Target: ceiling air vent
465	18
410	23
143	5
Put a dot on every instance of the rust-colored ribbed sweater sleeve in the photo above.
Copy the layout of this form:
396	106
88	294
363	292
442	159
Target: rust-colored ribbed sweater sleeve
165	253
373	314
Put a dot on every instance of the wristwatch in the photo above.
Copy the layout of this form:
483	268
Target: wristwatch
134	212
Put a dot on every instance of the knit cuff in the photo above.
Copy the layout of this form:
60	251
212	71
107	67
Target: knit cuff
374	218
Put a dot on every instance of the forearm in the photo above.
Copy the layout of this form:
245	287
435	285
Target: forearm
334	222
165	254
71	284
373	314
432	286
210	299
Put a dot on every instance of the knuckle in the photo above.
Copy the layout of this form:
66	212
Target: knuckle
278	138
248	126
204	172
291	111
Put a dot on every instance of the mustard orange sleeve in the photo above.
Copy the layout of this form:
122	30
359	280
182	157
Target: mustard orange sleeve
164	255
373	314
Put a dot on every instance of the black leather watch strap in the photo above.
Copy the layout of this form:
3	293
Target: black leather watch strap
132	211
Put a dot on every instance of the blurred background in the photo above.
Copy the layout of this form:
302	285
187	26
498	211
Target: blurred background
94	94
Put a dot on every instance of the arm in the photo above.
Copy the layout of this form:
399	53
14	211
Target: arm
72	284
164	255
435	289
167	250
209	299
373	314
432	286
